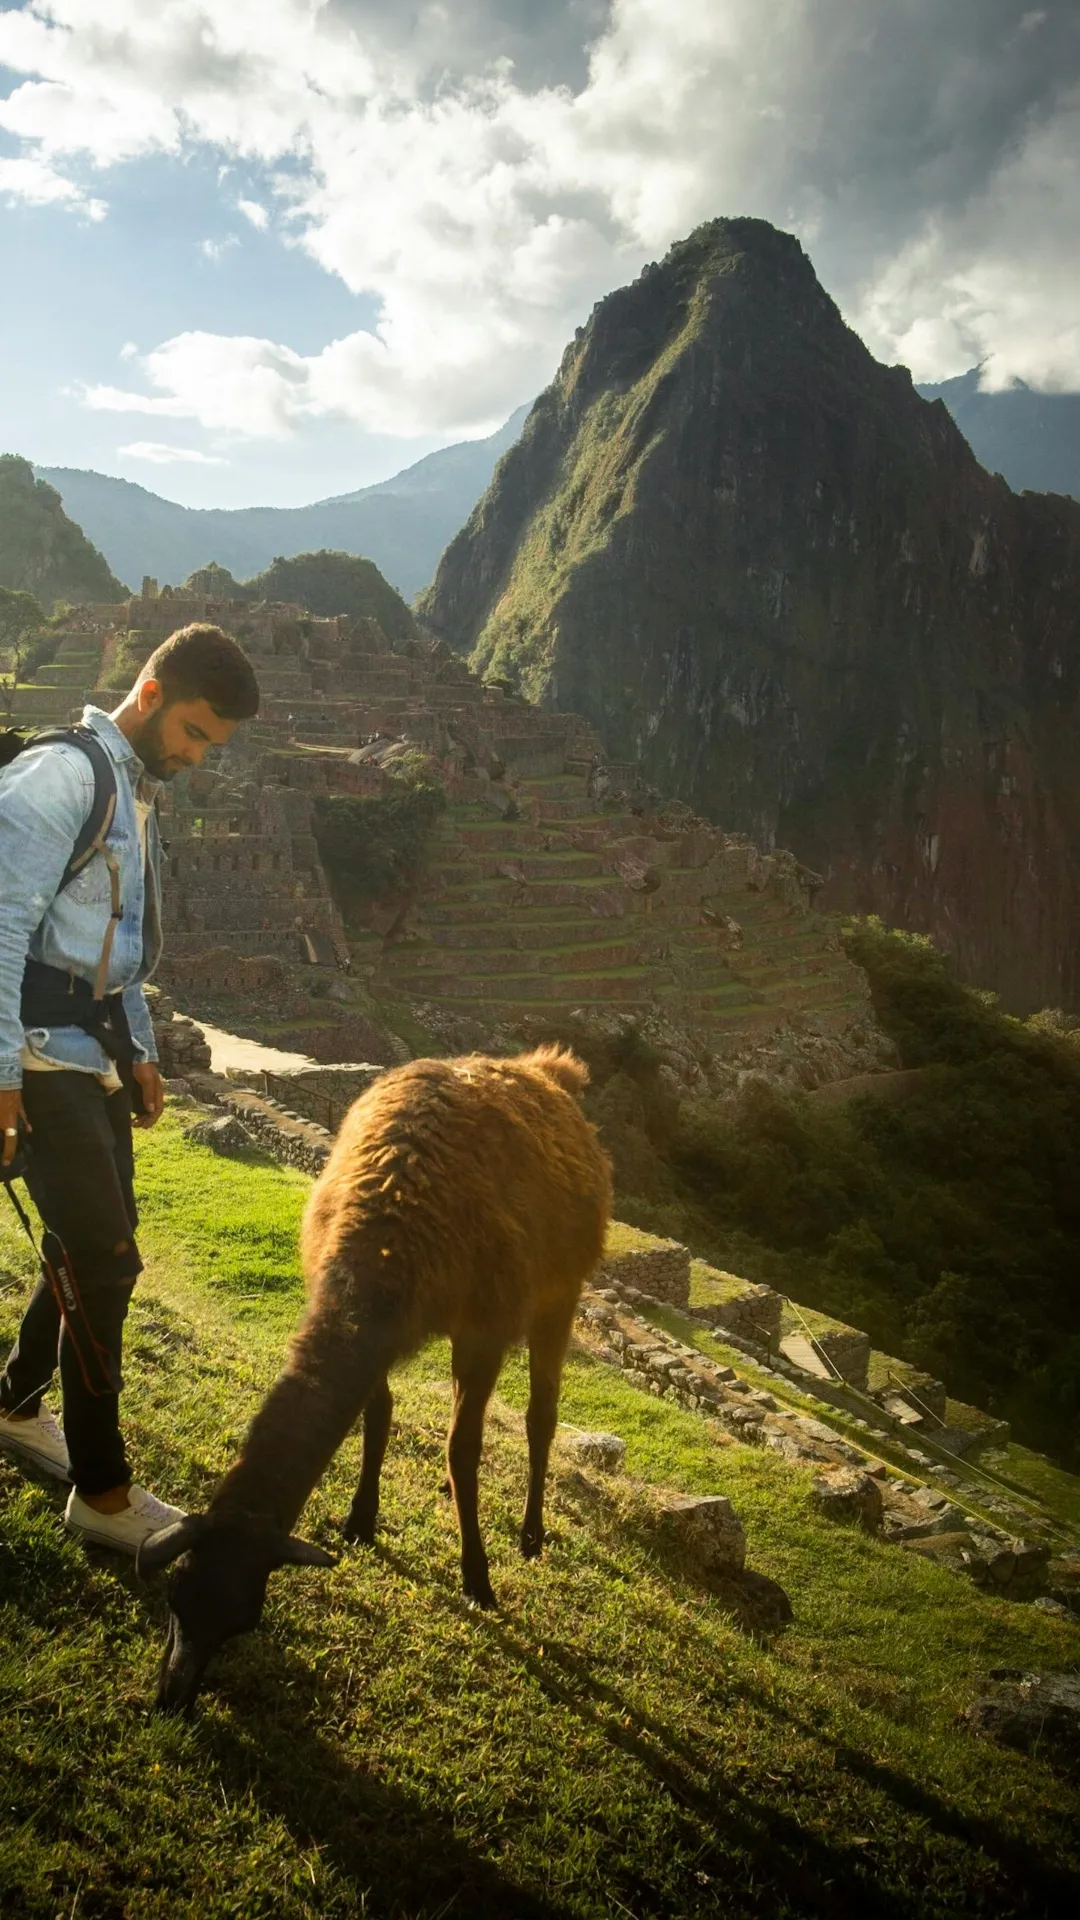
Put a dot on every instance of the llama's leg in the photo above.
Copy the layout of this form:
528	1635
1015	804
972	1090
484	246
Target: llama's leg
476	1362
548	1337
360	1524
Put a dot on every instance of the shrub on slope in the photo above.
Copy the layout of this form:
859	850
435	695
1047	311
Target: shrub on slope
947	1225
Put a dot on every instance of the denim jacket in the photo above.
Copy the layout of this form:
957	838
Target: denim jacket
45	796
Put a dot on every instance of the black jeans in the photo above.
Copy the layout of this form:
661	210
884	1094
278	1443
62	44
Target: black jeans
80	1176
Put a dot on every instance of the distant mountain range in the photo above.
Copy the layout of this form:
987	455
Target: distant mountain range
405	523
1031	439
402	524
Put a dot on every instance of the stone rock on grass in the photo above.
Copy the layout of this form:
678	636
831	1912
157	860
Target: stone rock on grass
948	1519
1038	1713
848	1493
1032	1560
707	1527
224	1135
1017	1568
956	1552
1063	1580
604	1450
792	1450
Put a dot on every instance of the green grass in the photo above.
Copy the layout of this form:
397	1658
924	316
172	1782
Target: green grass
1059	1491
608	1743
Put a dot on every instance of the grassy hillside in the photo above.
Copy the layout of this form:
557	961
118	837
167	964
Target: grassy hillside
41	550
946	1225
608	1743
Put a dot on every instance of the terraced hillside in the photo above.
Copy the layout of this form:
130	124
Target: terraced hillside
57	691
556	882
574	908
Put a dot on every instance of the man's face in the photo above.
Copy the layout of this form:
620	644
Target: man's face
171	739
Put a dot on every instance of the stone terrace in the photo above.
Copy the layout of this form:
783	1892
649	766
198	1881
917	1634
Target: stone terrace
572	908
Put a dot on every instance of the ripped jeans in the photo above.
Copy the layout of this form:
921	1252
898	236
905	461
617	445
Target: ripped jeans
80	1178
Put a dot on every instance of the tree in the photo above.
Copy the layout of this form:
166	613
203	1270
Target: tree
21	616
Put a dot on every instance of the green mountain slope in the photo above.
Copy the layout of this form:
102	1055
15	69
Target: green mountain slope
42	551
329	583
402	523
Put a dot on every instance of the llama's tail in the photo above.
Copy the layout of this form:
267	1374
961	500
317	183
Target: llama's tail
556	1063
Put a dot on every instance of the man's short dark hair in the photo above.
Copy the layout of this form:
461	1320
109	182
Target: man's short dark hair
203	663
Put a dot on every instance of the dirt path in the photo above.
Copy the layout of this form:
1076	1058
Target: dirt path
232	1050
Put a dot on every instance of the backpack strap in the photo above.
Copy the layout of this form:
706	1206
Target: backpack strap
90	838
91	835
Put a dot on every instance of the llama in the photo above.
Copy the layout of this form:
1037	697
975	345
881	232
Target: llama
467	1198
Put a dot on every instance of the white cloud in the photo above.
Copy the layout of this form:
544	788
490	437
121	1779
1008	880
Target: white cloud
36	183
216	250
161	455
928	154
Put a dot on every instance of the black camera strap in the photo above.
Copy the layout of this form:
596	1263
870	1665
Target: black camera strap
96	1364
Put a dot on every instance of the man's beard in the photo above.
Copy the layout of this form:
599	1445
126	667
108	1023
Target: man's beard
150	748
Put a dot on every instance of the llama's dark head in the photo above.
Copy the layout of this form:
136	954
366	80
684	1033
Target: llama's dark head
216	1590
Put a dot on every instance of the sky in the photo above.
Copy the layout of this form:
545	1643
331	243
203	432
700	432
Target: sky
265	251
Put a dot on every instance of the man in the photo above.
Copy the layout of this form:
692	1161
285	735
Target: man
77	1052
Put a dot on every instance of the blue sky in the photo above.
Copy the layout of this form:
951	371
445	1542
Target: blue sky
84	290
263	251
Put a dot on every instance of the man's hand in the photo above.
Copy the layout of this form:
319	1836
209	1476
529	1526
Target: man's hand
12	1114
148	1080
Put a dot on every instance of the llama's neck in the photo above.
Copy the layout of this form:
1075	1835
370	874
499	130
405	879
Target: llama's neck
301	1423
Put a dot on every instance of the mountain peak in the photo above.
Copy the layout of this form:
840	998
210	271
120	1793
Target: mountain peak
770	572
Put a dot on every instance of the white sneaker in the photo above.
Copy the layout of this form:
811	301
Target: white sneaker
39	1440
126	1531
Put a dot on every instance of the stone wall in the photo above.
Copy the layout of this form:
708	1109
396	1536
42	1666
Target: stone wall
662	1271
324	1094
182	1046
754	1315
848	1350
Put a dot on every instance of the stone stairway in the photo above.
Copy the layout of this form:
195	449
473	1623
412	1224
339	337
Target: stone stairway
568	908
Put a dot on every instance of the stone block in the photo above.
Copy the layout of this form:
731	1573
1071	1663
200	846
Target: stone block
223	1135
848	1493
604	1450
707	1527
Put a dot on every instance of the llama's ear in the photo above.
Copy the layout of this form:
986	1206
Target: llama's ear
166	1546
304	1553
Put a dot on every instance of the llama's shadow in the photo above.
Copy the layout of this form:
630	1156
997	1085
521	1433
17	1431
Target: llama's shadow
397	1854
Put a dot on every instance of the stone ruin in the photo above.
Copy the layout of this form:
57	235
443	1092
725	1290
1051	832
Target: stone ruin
557	886
662	1271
